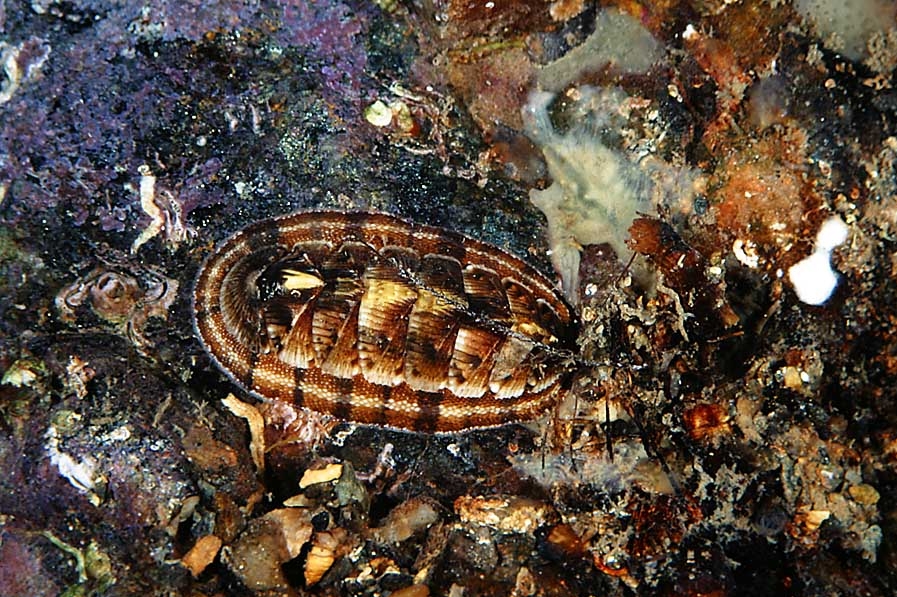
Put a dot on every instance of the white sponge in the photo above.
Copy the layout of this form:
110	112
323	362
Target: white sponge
813	278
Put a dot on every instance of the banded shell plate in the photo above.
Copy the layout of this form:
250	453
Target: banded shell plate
381	321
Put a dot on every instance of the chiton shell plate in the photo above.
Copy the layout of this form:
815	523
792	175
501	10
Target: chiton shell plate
378	320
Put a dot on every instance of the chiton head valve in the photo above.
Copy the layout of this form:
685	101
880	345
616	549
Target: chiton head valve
381	321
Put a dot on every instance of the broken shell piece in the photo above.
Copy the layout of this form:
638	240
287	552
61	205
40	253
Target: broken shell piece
256	428
525	583
412	591
746	253
331	472
377	568
509	514
166	213
268	542
562	543
378	114
207	453
77	375
24	373
396	113
201	554
864	494
299	501
811	519
81	471
325	548
406	519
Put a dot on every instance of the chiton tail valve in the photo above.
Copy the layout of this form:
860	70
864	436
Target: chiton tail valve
380	321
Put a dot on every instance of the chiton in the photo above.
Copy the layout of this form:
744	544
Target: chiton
381	321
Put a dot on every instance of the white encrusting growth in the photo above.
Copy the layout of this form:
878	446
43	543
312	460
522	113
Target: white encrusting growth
599	183
620	42
847	27
813	278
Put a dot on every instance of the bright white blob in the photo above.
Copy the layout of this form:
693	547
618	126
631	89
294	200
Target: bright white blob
813	278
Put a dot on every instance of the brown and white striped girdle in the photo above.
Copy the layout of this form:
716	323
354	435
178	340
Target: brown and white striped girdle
381	321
